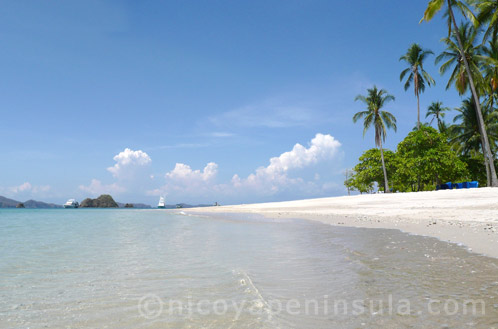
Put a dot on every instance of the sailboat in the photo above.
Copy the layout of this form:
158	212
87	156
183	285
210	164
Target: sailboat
161	203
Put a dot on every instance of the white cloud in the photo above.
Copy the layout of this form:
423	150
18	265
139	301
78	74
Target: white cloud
127	162
27	187
96	188
182	179
131	171
303	171
21	188
283	176
275	176
183	173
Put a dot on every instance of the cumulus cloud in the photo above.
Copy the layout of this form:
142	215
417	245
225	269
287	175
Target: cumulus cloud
183	179
21	188
130	171
27	187
275	176
96	188
303	171
185	174
285	175
127	162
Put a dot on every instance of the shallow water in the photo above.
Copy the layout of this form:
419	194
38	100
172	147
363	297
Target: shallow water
86	268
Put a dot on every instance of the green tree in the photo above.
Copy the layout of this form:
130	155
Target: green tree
375	101
436	110
465	133
433	7
424	159
476	170
355	183
415	57
369	170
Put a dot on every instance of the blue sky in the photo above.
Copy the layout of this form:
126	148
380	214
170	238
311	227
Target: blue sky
198	92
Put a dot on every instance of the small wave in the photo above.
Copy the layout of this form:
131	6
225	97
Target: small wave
260	302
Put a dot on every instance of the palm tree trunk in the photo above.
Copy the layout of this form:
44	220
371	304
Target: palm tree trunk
386	184
418	111
486	149
488	175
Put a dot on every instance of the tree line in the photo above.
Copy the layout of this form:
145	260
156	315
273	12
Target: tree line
464	149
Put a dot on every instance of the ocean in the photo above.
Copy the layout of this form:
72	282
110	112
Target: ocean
124	268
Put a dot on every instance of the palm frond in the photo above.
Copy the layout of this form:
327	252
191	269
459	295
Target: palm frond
432	8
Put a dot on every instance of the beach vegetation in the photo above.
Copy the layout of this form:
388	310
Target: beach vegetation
415	73
462	150
437	112
356	183
422	160
369	172
381	120
465	135
463	54
425	159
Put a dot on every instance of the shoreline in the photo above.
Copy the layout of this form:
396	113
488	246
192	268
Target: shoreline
466	217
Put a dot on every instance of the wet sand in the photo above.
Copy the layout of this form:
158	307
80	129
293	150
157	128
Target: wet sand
467	216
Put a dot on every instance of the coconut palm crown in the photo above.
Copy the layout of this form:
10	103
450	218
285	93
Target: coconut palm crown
436	110
452	58
415	57
487	12
381	120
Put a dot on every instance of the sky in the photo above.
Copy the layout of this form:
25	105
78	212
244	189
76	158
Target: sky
200	101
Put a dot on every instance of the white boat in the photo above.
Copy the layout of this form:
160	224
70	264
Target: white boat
161	203
71	203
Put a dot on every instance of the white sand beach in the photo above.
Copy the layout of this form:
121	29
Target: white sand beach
466	216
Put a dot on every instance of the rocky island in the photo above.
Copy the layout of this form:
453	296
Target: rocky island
103	201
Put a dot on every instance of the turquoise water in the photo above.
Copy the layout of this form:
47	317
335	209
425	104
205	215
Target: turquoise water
87	268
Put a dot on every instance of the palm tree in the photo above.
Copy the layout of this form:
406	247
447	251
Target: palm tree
432	8
436	110
489	63
454	58
415	57
375	100
487	12
465	134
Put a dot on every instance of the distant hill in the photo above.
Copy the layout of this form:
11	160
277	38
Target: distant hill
185	205
10	203
103	201
33	204
7	203
135	205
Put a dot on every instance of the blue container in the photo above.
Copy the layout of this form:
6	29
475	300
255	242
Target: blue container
466	184
449	185
459	186
474	184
